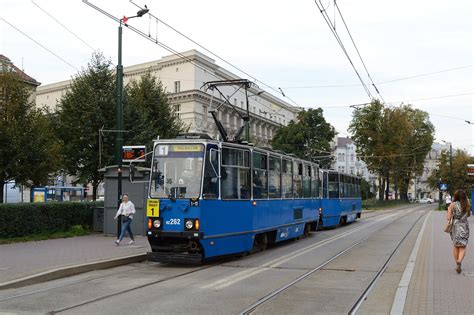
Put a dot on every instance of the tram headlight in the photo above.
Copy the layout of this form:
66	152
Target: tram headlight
157	224
189	224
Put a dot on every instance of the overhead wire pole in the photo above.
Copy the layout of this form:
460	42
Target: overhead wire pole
119	101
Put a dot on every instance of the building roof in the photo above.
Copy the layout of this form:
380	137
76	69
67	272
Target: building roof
7	65
342	142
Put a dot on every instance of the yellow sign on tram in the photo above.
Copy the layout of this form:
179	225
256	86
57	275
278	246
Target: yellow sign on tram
187	148
153	208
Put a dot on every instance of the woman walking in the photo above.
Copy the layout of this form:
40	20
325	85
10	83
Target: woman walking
127	210
460	210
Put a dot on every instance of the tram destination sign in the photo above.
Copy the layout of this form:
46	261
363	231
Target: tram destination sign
134	153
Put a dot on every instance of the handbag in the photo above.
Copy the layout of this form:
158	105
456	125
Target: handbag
124	218
449	225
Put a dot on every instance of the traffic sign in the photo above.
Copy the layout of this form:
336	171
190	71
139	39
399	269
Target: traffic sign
153	208
443	187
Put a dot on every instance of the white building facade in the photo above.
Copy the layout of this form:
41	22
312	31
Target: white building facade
183	79
420	187
346	161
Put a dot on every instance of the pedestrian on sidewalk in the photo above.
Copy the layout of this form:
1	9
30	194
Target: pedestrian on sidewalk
460	210
126	211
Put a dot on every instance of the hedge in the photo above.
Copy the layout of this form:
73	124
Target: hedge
17	220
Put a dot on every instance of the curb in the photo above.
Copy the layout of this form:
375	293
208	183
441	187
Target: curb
72	270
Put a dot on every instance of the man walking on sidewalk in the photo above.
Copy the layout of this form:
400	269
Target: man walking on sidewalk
126	210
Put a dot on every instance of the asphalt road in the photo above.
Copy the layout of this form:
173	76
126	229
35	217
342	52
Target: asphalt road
333	283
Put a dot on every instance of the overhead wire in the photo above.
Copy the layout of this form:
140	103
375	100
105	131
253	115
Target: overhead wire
164	46
64	26
381	82
341	44
217	56
39	44
357	50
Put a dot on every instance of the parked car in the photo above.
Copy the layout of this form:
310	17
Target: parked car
426	200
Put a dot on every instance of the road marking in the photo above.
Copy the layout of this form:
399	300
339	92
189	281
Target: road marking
242	275
402	290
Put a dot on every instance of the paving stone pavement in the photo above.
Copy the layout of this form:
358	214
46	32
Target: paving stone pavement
435	287
24	259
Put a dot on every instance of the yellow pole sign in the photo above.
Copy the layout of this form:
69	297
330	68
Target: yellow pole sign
153	208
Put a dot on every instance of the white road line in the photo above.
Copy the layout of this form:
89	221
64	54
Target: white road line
402	290
242	275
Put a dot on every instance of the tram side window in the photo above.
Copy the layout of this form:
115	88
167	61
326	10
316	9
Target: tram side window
307	181
342	185
260	175
333	185
348	192
274	177
210	189
287	179
359	195
235	174
314	182
298	180
324	181
352	188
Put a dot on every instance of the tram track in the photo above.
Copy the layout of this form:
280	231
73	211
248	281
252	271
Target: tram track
272	264
361	298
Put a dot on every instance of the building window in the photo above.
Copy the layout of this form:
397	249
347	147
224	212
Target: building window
242	104
177	109
341	157
235	102
177	86
352	157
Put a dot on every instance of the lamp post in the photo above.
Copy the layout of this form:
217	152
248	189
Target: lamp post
450	164
119	112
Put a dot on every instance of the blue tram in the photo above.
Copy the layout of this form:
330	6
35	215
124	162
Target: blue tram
209	198
340	199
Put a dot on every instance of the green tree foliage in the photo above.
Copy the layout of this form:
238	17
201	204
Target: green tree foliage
148	113
28	149
88	106
457	177
308	138
393	142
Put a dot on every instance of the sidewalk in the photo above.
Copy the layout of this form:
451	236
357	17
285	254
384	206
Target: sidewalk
435	287
27	259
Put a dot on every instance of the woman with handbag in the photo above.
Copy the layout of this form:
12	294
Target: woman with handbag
126	210
458	212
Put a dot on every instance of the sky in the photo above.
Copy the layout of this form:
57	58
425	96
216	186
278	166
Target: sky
284	44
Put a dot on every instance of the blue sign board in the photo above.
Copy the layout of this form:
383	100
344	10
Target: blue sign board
443	187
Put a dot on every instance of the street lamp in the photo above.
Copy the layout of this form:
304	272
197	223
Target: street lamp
119	111
450	167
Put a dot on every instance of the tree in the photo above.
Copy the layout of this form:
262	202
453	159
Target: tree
308	138
29	153
457	177
393	142
89	105
148	113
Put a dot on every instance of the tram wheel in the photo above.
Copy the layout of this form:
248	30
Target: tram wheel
307	230
342	221
260	242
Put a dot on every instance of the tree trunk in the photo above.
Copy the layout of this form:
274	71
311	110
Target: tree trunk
95	185
387	191
381	187
2	185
